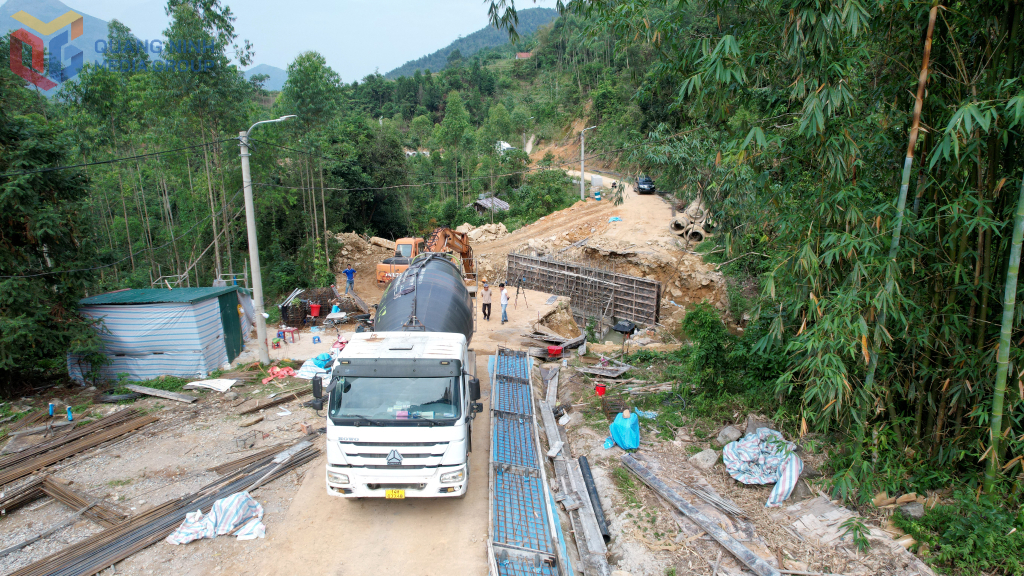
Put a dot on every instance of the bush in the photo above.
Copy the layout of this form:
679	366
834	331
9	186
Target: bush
703	327
970	537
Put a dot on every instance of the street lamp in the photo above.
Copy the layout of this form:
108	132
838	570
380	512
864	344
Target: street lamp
254	251
582	193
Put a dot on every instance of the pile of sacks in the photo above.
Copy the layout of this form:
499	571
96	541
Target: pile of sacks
484	233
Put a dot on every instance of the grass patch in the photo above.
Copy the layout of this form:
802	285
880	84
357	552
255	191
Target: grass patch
168	383
119	483
627	485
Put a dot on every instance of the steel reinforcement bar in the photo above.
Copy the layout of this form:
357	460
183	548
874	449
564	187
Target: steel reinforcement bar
593	292
522	536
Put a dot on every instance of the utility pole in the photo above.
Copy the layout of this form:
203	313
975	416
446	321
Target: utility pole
254	251
583	194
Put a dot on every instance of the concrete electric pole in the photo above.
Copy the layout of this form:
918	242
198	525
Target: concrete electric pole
583	194
254	251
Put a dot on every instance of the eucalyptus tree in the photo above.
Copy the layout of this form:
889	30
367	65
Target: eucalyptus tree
47	257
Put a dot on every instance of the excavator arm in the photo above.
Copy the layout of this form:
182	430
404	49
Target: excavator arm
448	240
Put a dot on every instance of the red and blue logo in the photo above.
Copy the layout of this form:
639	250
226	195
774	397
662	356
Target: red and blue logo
61	30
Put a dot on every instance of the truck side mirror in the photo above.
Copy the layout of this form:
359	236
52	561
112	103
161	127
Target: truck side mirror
474	389
318	387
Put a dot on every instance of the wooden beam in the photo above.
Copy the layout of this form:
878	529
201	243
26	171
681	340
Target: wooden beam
757	564
161	393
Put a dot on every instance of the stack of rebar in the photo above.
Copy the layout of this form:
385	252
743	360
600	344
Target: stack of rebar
113	545
23	423
21	464
41	486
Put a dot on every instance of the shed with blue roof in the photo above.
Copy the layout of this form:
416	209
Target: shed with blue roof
184	332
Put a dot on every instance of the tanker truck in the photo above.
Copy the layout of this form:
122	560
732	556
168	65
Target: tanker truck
401	399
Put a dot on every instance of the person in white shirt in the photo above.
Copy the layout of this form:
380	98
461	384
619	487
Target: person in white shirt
504	303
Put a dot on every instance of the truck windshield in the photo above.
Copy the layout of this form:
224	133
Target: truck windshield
397	399
403	250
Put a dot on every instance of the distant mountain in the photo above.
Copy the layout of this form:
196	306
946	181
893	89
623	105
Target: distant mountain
277	76
47	20
489	37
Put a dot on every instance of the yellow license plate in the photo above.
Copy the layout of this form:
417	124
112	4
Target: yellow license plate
394	494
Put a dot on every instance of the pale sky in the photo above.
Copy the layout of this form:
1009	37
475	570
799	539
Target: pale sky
356	36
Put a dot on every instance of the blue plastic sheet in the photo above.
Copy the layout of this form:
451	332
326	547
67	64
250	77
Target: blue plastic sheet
626	431
614	219
322	360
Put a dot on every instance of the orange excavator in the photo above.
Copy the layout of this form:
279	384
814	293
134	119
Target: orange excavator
442	239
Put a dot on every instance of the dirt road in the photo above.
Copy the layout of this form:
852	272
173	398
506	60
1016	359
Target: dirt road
323	535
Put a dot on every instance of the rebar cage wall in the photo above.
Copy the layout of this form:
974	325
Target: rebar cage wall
593	292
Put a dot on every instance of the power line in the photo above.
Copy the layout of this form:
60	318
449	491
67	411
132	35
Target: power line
424	184
111	160
381	188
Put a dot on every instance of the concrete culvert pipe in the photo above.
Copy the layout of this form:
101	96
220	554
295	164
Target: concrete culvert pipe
678	226
695	234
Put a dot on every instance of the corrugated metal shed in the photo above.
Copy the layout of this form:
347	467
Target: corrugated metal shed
157	295
486	204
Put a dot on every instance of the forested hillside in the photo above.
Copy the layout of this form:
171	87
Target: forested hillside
490	37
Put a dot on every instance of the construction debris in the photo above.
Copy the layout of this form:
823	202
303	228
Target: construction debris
161	393
113	545
24	422
217	384
572	489
275	402
820	520
756	564
21	464
388	244
612	369
485	233
56	488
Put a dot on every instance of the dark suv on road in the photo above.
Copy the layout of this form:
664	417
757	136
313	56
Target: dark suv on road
644	185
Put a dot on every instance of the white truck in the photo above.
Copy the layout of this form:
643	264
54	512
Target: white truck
401	400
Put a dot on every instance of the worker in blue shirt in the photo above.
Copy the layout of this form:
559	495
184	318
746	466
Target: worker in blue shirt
350	274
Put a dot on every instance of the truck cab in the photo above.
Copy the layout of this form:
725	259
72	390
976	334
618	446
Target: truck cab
400	408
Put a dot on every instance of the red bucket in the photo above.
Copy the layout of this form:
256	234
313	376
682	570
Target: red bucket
554	350
314	309
599	389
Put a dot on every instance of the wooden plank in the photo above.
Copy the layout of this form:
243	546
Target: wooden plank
546	490
44	428
757	564
161	393
573	481
552	393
